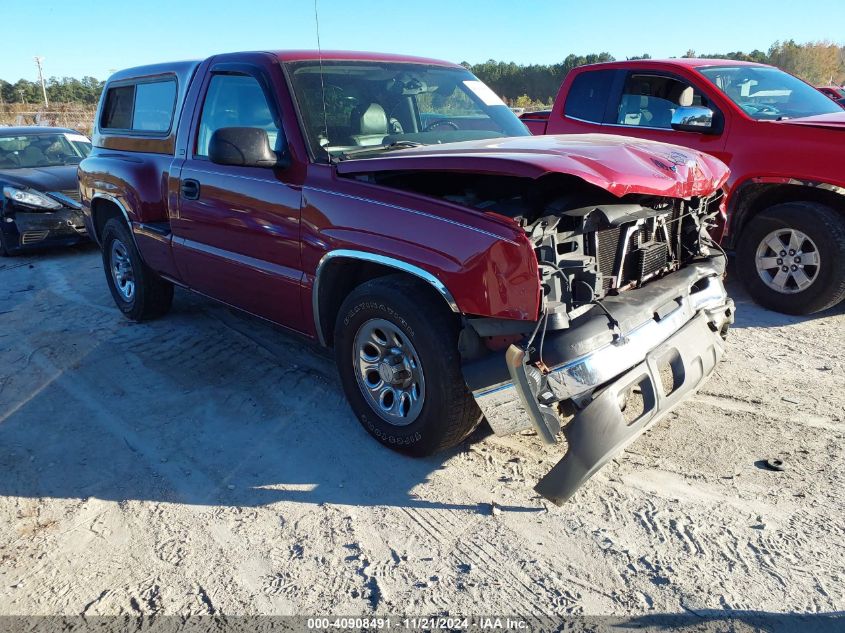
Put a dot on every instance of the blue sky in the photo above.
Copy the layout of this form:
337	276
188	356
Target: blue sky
91	37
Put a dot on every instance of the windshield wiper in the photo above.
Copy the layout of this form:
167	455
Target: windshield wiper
377	148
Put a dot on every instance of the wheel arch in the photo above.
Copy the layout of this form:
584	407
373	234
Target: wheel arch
341	271
757	194
104	207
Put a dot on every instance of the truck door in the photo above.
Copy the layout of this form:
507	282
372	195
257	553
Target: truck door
645	106
236	234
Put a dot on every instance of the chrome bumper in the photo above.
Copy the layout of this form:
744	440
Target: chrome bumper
687	336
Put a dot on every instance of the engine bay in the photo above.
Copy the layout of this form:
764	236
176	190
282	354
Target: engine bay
589	244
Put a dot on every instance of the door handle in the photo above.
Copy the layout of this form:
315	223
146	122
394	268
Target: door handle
190	189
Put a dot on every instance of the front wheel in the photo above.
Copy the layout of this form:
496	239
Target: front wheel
790	257
4	251
396	347
138	292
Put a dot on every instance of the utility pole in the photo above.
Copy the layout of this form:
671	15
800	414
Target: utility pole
38	61
21	93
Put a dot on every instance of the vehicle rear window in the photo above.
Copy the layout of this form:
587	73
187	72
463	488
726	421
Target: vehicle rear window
117	113
141	107
588	95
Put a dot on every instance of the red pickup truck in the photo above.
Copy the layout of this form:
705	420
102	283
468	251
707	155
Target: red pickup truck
396	210
782	139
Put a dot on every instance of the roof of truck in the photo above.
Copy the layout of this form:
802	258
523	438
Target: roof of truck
306	55
182	69
187	68
687	62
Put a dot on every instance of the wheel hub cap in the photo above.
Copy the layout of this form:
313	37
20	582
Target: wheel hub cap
122	273
388	372
787	261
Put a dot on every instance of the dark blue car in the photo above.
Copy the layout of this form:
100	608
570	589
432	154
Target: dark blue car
40	194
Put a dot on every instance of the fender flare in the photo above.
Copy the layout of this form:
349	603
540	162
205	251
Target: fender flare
108	197
374	258
737	204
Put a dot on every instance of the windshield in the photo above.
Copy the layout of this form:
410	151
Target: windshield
766	93
42	150
381	104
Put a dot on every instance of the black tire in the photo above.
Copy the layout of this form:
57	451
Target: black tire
4	252
152	296
826	228
448	412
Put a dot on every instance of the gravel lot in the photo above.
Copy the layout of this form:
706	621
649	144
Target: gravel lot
208	463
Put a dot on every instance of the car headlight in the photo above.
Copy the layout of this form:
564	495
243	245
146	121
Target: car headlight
30	198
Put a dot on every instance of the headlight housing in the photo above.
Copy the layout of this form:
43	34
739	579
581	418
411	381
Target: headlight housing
30	198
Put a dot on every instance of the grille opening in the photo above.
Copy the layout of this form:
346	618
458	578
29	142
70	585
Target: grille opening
73	194
31	237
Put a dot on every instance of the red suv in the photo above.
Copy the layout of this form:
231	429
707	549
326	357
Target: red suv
781	138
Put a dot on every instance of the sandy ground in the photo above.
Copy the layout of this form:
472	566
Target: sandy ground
208	463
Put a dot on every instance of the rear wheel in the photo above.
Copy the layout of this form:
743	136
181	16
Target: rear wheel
790	257
138	292
396	347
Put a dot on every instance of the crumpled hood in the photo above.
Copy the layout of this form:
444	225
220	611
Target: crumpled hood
620	165
60	178
832	121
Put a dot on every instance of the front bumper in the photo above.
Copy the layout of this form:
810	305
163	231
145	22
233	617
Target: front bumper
30	229
672	339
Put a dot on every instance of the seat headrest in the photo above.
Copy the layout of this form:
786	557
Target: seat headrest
371	119
686	96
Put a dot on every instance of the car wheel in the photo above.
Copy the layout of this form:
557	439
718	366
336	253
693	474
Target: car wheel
4	251
790	257
138	292
396	347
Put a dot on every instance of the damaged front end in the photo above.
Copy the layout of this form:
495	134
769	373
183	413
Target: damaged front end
30	218
633	309
633	322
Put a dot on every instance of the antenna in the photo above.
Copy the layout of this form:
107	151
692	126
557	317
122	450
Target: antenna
322	83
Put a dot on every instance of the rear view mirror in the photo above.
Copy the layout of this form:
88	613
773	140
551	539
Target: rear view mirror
242	146
693	119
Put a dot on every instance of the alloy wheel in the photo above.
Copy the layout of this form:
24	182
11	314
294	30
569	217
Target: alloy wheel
389	372
787	261
121	270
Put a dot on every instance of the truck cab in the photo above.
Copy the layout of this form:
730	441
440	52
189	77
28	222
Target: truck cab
781	138
395	210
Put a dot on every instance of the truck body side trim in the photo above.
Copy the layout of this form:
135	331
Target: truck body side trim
243	260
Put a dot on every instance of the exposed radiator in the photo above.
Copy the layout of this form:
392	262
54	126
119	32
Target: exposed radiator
607	248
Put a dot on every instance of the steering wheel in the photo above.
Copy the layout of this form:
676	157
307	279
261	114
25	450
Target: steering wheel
760	108
434	124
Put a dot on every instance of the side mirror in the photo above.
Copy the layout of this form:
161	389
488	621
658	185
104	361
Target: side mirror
242	146
693	119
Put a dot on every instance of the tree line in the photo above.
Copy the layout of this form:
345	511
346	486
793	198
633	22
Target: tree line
522	85
59	90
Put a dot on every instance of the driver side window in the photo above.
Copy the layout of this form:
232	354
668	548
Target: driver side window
651	100
236	101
